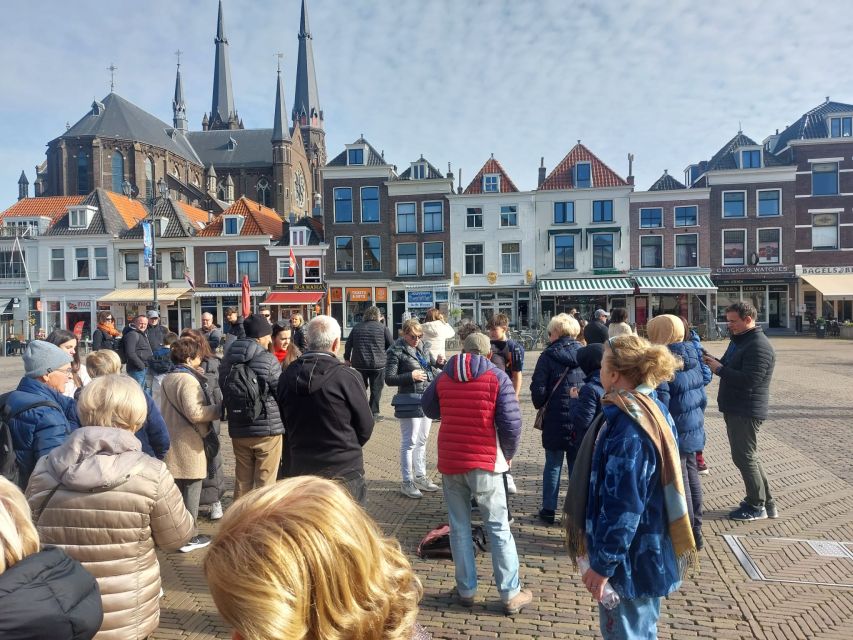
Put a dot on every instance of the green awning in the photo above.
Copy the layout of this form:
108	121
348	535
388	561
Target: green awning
586	286
675	284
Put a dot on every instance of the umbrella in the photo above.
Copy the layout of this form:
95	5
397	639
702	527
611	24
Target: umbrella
246	306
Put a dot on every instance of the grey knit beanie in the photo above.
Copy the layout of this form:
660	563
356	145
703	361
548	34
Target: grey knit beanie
40	358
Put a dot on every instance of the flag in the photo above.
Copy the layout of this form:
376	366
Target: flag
291	269
246	291
189	279
147	243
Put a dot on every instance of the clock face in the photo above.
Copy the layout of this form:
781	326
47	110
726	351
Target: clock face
299	188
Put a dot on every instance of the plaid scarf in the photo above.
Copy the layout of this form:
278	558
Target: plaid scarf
643	410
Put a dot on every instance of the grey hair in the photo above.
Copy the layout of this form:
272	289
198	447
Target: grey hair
207	314
371	313
321	333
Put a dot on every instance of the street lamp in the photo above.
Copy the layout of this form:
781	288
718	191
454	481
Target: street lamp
151	201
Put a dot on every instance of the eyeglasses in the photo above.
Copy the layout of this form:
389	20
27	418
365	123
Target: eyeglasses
265	315
68	373
110	319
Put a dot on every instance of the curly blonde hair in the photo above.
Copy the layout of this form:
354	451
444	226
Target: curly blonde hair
300	559
18	536
640	361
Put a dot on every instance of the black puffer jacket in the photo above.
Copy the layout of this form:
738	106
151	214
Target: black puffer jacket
102	340
745	376
156	335
402	362
367	344
137	349
49	595
268	370
558	433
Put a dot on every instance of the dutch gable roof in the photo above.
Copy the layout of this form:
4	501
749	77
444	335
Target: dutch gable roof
492	166
561	177
258	220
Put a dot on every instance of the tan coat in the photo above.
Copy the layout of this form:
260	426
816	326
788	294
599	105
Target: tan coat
111	505
183	400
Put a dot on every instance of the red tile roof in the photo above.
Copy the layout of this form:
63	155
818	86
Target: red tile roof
195	215
258	220
130	210
53	207
491	166
561	176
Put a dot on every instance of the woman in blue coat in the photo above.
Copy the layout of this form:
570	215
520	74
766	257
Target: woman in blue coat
557	372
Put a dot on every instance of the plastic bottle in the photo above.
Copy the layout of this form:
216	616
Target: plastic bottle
610	599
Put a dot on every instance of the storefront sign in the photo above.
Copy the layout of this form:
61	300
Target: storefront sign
419	299
215	285
79	305
361	294
813	271
381	294
776	269
300	287
336	294
162	285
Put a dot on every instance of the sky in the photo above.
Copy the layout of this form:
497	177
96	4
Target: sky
454	80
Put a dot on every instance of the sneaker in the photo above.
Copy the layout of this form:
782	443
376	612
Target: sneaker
748	513
521	600
546	516
772	511
465	601
196	542
425	484
704	470
409	490
510	485
701	465
215	511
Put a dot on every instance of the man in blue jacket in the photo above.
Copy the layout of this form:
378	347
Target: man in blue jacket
39	415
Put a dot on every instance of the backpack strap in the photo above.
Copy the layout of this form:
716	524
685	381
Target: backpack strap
33	405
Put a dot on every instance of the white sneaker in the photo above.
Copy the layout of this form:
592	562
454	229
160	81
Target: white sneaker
215	511
409	490
510	485
196	542
425	484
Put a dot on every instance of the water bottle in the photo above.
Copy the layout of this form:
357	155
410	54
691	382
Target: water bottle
610	599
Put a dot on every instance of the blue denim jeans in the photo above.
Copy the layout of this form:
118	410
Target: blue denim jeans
487	488
551	476
139	376
631	620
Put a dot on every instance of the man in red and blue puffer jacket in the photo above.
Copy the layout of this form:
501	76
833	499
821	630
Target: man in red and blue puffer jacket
479	435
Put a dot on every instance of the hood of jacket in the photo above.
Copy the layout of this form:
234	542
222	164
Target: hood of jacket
33	390
90	459
465	367
564	351
687	353
313	370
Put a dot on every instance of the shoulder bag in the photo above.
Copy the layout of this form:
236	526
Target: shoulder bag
540	413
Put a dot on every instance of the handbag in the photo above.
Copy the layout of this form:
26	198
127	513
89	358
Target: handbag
210	442
407	405
540	412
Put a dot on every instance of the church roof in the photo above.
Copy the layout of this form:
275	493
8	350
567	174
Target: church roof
237	148
306	99
562	175
114	214
258	220
491	166
116	117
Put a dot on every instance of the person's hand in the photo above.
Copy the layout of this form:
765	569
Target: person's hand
419	375
595	584
714	364
440	361
573	393
348	363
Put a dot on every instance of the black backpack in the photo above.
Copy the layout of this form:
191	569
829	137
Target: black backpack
242	395
436	543
118	347
8	461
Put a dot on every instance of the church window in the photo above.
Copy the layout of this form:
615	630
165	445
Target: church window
264	196
149	179
118	171
82	174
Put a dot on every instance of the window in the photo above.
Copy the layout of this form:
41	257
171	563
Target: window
825	231
149	179
355	156
491	183
264	195
407	259
474	218
118	171
433	258
312	271
473	259
370	204
284	276
769	203
57	264
131	266
509	216
12	264
407	219
433	217
564	252
734	246
824	178
841	127
78	218
651	218
344	257
686	250
343	204
217	267
82	174
602	251
247	265
564	212
231	225
101	270
371	253
686	216
769	244
297	237
418	171
750	159
583	175
651	252
510	257
602	210
81	263
734	204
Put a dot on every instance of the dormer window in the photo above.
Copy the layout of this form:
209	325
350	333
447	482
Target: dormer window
80	217
355	156
232	225
231	144
97	108
491	183
418	171
841	127
750	159
298	237
583	175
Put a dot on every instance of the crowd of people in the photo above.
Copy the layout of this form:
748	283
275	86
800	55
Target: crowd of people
109	466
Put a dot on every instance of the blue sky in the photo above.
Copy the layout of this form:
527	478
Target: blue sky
454	80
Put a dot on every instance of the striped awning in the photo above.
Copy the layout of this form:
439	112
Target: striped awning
586	286
675	284
138	296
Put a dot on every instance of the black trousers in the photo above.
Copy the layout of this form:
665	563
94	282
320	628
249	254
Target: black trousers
374	380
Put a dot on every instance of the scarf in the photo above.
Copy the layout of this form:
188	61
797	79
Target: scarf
109	329
643	410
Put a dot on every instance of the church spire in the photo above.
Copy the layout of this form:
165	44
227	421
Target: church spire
23	186
179	105
222	113
281	129
306	104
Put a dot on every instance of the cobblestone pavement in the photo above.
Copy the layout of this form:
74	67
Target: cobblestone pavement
794	592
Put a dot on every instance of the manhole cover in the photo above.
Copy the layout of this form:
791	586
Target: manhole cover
817	562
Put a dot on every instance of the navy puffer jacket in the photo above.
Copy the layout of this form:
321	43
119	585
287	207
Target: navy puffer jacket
685	397
557	431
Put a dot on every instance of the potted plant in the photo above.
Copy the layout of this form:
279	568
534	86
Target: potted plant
847	330
820	331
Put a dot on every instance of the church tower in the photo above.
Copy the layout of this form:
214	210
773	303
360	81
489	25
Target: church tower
307	114
179	105
222	112
282	167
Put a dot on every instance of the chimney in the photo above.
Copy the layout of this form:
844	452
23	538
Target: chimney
459	188
541	179
630	179
449	175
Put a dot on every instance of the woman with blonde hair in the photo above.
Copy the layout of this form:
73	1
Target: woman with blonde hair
436	333
626	515
300	559
107	504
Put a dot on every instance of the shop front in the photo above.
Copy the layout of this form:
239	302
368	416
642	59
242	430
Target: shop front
772	300
481	305
826	292
215	300
417	299
173	303
287	300
583	294
76	313
348	303
684	295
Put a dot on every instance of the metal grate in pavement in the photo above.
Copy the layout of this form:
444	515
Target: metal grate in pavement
794	560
